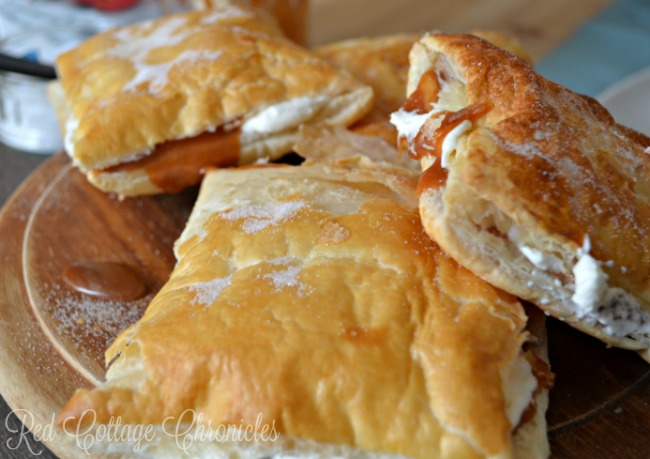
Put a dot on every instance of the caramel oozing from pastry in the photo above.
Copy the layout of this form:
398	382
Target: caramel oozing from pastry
430	144
177	164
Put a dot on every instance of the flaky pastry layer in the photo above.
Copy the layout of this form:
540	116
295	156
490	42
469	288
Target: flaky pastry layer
545	195
128	90
311	295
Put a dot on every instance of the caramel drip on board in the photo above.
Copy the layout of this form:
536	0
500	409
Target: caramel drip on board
108	280
177	164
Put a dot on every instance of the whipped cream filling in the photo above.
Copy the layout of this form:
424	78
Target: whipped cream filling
590	281
590	297
450	142
541	260
452	96
618	312
519	385
283	116
409	124
592	300
71	126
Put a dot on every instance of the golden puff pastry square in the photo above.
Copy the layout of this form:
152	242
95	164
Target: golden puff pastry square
382	63
146	108
312	297
531	186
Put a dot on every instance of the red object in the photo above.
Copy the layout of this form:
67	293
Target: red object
109	5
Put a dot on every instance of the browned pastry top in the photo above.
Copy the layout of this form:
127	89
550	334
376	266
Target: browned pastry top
313	296
555	159
132	88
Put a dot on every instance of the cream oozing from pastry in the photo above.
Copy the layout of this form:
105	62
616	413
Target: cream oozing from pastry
540	259
519	383
589	297
452	97
450	143
618	312
281	117
590	281
409	124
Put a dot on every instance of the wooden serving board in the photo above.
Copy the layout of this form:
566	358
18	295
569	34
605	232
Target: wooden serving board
52	338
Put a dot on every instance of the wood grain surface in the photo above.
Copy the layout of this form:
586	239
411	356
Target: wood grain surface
52	338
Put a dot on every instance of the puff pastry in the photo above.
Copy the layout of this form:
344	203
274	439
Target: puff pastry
145	108
382	63
533	187
312	296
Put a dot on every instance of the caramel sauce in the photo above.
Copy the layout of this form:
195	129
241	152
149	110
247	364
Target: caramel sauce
421	147
541	371
109	280
177	164
436	176
427	144
432	178
452	119
424	95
